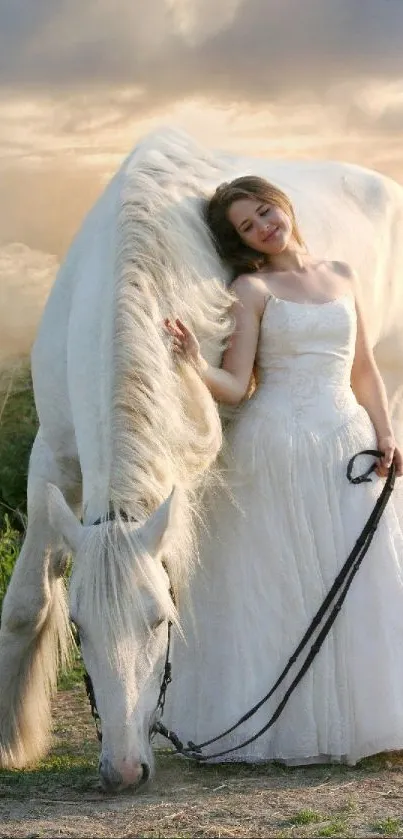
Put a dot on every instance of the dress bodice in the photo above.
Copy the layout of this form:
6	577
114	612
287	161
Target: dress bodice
304	360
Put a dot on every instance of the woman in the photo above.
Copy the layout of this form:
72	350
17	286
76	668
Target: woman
274	549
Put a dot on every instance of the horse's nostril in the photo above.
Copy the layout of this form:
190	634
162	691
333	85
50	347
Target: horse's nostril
146	772
110	779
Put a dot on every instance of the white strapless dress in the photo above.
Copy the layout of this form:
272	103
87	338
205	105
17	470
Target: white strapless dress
271	553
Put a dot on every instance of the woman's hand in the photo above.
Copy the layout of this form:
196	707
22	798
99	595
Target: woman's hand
387	445
185	343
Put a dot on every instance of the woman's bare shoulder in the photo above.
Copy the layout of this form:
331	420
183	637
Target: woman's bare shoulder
243	280
250	290
249	284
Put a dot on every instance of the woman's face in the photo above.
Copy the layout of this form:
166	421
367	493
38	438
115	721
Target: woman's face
262	226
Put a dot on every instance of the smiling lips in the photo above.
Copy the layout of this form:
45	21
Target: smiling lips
270	235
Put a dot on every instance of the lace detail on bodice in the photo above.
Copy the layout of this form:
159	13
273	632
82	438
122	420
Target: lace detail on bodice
304	359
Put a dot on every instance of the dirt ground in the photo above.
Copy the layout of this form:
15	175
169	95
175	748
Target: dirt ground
61	797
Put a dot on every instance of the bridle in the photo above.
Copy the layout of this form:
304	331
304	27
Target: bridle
167	673
331	605
89	688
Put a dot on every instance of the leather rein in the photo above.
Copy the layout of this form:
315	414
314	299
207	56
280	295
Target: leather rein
332	605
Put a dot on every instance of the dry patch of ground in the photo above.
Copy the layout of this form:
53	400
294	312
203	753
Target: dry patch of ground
61	798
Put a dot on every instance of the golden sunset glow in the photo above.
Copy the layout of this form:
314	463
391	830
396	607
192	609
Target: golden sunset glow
80	84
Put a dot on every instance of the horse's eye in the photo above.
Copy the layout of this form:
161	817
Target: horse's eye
157	623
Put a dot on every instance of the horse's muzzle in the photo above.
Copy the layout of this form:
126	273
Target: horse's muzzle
131	776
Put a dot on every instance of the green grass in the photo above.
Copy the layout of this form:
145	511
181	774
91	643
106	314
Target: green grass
73	772
18	426
306	817
335	827
10	542
74	676
389	827
70	768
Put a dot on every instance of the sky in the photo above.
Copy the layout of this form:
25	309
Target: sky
81	81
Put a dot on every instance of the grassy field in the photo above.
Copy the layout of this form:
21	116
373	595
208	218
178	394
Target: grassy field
18	426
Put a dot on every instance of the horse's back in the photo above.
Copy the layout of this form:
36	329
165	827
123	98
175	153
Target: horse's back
78	318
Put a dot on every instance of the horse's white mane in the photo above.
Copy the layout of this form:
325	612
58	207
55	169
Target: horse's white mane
165	426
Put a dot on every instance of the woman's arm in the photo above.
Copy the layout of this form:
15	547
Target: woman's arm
370	391
230	382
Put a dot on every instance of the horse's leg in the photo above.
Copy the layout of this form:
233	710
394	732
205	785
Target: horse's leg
34	634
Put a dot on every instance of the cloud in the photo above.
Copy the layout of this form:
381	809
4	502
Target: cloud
55	159
96	71
75	43
81	82
242	50
387	120
26	277
199	20
44	206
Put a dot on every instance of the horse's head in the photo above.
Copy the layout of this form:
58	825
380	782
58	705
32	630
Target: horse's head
120	602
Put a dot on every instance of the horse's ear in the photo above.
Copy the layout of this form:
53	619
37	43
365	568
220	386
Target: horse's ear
63	519
155	532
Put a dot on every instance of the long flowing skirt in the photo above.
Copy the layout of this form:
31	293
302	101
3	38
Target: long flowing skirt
268	556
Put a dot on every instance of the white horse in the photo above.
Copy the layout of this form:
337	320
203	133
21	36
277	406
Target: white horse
121	425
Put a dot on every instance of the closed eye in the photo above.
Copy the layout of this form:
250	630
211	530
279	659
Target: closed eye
262	211
157	623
